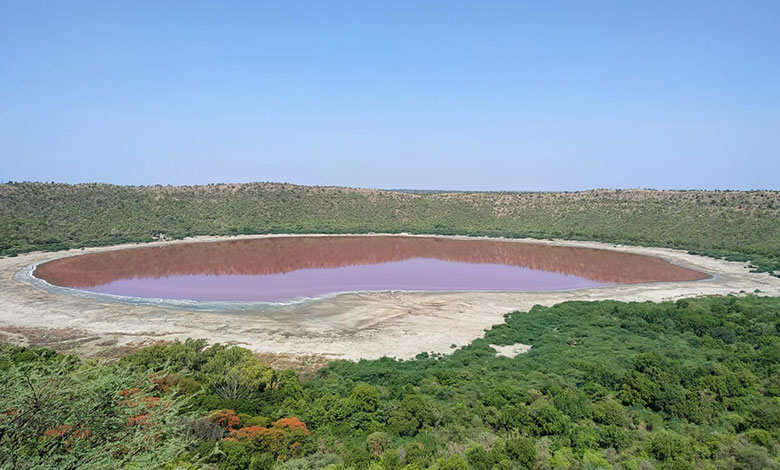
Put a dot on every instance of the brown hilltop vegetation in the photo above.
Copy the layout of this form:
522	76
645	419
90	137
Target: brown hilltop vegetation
743	225
285	254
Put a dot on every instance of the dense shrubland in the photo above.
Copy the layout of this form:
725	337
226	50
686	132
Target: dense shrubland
735	224
675	385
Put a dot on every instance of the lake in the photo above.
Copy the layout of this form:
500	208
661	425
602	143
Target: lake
279	269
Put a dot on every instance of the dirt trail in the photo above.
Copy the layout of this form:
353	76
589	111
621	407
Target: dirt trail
348	326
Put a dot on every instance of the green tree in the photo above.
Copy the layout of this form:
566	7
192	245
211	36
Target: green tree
522	451
410	415
234	372
478	458
365	397
453	462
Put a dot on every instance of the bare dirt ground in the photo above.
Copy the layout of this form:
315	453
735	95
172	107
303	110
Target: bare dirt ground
347	326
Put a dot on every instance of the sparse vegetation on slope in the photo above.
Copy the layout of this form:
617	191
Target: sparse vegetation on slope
738	225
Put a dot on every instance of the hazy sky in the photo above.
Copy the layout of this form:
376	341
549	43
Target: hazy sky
483	95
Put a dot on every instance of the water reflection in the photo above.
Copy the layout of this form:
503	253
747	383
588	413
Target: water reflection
322	264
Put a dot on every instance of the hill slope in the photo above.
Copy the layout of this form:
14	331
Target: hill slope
43	216
672	386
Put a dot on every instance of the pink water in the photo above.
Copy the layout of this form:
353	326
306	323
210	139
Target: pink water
290	268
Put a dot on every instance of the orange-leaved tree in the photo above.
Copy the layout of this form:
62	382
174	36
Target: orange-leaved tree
284	439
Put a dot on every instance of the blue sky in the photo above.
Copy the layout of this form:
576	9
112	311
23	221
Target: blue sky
480	95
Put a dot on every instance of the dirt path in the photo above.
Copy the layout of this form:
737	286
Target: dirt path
349	326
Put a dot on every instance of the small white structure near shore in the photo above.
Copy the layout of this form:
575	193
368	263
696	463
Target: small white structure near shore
512	350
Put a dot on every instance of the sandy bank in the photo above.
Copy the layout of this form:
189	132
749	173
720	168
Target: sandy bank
350	326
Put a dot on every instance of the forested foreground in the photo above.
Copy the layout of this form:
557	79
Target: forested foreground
690	384
740	225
